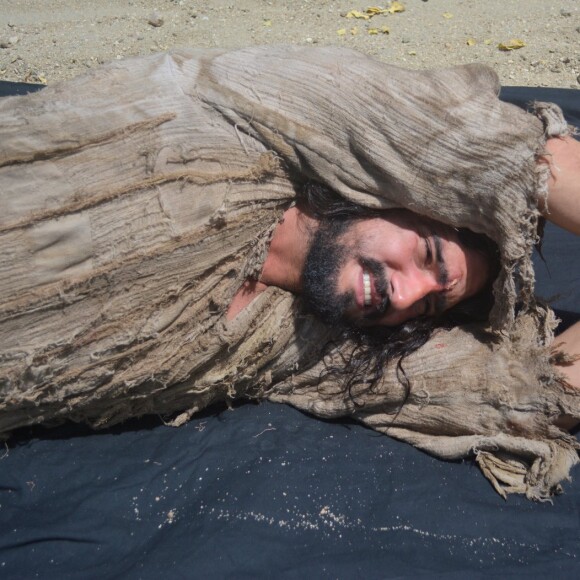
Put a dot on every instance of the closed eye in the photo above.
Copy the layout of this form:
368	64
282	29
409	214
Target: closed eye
435	255
428	252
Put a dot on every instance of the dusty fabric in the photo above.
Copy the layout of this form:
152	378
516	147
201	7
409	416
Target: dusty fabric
467	397
437	142
136	200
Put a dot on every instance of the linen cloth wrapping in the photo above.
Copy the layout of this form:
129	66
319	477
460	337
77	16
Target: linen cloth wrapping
137	199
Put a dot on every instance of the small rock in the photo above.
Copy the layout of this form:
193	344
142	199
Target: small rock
578	79
535	63
155	20
578	29
556	69
13	40
565	60
565	12
5	44
405	40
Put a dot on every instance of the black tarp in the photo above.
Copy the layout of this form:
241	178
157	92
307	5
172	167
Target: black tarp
266	491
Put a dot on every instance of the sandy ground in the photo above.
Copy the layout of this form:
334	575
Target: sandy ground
49	40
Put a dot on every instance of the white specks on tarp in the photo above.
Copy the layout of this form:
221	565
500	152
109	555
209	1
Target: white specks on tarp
170	518
331	523
150	504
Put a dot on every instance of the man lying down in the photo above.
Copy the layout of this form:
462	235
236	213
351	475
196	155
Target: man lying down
305	225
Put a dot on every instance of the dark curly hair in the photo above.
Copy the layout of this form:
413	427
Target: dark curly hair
374	348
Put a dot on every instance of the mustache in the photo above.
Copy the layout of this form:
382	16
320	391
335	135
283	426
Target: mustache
381	285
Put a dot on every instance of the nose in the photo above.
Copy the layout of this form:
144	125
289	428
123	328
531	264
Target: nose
409	289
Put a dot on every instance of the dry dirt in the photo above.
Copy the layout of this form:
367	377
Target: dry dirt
49	40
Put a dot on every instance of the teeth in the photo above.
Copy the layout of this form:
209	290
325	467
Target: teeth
367	289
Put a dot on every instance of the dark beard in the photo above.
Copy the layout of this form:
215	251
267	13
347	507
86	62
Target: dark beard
324	261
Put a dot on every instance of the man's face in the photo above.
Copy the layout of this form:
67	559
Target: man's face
386	271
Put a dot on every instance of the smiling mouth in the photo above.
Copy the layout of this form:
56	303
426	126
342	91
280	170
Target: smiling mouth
375	297
368	298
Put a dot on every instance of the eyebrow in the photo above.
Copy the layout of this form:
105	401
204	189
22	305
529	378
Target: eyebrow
442	274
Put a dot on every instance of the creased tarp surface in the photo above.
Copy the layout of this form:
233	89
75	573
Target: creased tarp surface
133	210
260	492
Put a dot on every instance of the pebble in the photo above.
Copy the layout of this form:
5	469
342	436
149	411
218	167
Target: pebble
405	40
9	42
578	79
565	12
155	20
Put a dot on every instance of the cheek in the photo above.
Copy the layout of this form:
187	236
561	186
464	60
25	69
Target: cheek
470	267
385	242
478	271
456	261
364	240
